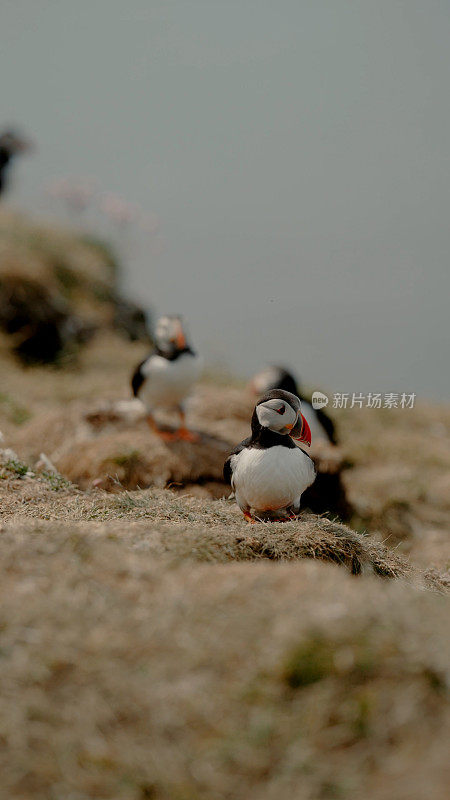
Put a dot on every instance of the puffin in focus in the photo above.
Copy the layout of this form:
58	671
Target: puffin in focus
268	472
322	427
11	144
165	378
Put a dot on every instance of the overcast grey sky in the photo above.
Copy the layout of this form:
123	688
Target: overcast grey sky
296	152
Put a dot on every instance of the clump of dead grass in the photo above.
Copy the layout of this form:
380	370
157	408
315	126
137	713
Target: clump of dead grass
130	680
185	527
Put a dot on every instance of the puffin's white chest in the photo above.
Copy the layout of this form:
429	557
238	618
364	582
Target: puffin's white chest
272	478
169	382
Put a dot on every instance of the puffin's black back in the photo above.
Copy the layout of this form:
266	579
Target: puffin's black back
287	382
11	143
5	158
137	379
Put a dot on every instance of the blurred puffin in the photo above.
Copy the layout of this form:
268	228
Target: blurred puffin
321	425
167	375
11	144
268	472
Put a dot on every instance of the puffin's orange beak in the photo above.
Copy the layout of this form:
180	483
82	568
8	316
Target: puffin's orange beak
180	339
302	431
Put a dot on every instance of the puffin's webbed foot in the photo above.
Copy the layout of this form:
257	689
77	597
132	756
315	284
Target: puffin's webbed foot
289	516
166	436
183	433
187	435
278	515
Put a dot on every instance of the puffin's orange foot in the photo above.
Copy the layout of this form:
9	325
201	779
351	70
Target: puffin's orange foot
249	517
167	436
187	436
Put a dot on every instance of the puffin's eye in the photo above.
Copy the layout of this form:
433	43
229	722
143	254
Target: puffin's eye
281	410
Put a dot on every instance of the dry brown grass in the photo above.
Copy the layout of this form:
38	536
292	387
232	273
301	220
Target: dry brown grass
124	676
188	527
123	456
399	485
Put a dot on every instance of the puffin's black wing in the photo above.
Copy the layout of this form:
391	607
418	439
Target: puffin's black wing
327	424
138	378
4	159
227	470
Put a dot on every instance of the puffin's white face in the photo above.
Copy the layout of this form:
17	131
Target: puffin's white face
277	415
169	333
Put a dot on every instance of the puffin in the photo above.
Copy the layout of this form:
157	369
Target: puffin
166	377
11	144
273	377
268	472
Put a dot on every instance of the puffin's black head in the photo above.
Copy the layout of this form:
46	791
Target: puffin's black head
11	143
280	411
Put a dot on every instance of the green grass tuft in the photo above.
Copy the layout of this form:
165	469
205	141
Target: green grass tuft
308	662
13	467
56	481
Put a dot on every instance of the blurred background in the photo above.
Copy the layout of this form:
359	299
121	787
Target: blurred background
277	173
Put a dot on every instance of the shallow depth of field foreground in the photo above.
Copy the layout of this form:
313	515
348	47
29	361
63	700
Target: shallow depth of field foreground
155	646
